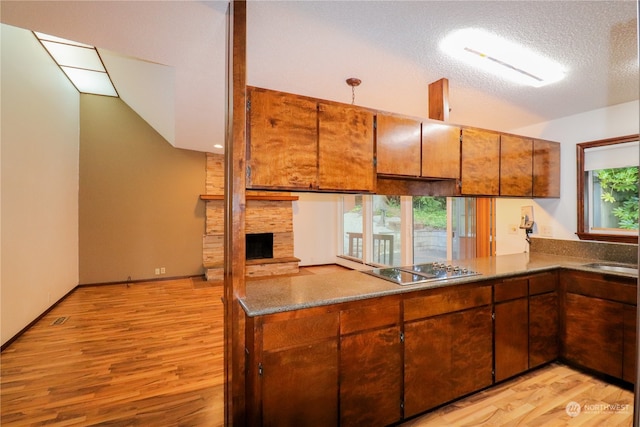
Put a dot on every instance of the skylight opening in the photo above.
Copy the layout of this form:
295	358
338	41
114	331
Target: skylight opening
81	63
502	57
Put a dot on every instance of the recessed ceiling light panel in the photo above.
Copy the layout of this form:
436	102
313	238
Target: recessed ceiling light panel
502	57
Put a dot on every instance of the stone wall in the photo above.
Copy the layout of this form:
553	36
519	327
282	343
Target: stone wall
261	216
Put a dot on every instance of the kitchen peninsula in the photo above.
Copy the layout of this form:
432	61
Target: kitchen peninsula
348	348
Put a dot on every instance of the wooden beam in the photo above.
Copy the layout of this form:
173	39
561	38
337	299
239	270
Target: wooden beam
235	203
439	100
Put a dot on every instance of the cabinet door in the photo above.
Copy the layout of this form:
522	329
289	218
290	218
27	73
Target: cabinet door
398	145
371	378
629	350
446	357
345	148
543	328
511	338
281	140
546	169
480	163
300	386
593	333
516	166
440	151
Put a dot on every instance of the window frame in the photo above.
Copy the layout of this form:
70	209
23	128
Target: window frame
583	231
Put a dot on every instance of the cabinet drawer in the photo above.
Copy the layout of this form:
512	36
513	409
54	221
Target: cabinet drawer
446	300
369	316
510	289
301	331
543	283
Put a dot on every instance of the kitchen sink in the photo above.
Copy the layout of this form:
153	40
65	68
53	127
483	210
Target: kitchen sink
616	267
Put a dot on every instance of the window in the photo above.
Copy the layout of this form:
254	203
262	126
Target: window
352	227
608	190
430	242
401	230
386	225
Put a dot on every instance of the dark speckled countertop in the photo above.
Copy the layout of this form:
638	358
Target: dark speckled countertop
277	294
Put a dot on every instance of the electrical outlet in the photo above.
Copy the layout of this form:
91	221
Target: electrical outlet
546	231
513	229
162	270
157	271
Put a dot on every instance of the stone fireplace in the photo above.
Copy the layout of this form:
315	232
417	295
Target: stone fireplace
268	223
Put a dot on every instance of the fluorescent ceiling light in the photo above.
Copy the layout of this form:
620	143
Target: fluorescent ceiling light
81	63
502	57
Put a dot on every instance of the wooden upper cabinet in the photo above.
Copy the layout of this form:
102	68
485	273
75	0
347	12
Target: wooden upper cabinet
282	140
480	162
516	166
546	168
398	145
440	150
345	148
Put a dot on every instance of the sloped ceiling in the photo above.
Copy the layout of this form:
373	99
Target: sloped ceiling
168	57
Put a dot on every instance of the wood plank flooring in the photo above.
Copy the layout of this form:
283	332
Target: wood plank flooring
538	398
151	355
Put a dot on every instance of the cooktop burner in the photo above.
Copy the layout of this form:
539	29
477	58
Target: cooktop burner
421	273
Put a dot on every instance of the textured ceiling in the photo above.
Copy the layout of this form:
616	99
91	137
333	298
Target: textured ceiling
311	47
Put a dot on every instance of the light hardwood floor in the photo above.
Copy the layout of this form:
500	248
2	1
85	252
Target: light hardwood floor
538	398
151	355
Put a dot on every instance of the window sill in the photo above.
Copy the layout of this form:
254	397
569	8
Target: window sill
615	238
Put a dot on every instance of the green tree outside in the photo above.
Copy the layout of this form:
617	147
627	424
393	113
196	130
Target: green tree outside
620	187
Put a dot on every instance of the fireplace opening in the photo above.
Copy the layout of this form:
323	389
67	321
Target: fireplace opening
259	245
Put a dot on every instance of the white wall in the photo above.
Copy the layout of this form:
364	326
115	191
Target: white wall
39	190
314	228
559	216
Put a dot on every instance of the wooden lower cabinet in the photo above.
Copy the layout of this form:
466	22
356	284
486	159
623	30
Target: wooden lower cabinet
543	329
293	369
347	364
300	386
629	359
446	357
511	338
371	378
598	318
593	333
